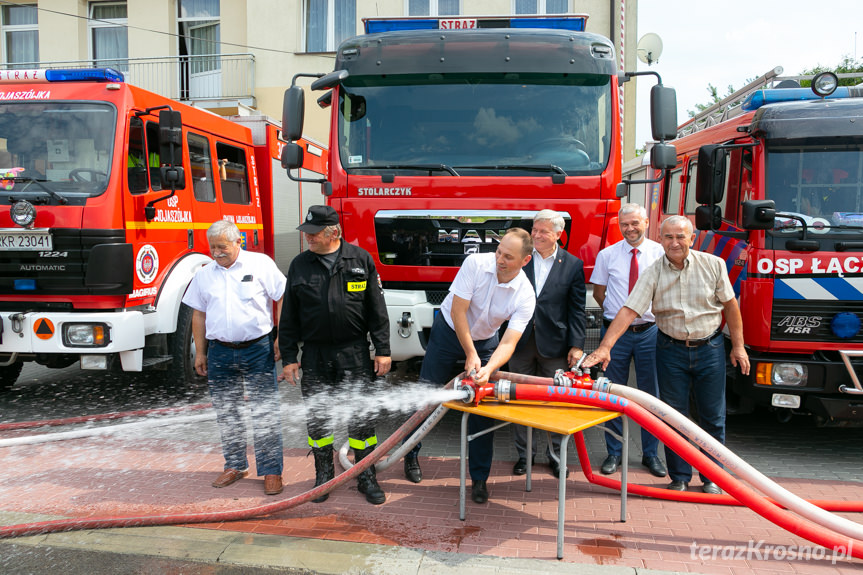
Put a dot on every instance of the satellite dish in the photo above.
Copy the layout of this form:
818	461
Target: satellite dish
649	48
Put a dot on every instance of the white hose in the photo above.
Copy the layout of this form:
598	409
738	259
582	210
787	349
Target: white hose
104	430
731	461
409	443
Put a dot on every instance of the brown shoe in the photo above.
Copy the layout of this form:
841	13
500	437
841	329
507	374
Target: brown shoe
272	484
229	476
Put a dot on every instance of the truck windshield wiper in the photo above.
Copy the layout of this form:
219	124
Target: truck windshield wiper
429	167
516	167
28	180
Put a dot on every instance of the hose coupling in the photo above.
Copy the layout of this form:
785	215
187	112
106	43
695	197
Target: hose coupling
503	390
601	384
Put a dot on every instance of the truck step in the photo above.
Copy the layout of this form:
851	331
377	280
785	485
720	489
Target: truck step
154	361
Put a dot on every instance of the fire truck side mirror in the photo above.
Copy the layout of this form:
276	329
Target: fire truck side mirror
708	217
663	113
663	156
759	215
293	109
710	183
171	149
171	137
292	156
173	177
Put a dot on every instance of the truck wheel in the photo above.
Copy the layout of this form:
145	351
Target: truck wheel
9	375
181	346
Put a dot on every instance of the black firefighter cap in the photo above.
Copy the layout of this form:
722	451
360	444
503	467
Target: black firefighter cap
318	218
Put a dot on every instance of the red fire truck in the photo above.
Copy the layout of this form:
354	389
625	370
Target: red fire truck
445	132
775	187
109	190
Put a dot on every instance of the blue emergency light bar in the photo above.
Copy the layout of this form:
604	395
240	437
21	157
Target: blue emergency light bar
84	75
762	97
376	25
39	75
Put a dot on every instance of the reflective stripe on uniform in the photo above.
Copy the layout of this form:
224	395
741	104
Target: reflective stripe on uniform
322	442
360	444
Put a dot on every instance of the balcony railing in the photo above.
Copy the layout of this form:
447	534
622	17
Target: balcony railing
207	78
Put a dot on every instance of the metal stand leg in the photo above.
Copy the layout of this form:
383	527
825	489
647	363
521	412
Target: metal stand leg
624	468
529	450
462	467
561	495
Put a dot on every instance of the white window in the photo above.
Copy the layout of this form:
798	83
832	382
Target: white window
200	37
540	6
328	23
20	34
433	7
109	37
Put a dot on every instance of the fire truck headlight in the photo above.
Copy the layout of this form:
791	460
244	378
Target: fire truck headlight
825	84
794	374
86	335
789	374
845	324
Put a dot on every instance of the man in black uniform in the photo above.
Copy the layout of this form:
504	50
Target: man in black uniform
333	302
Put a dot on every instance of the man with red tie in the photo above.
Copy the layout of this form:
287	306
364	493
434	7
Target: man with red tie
614	276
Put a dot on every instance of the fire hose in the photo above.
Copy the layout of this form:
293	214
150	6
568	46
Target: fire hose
815	510
582	392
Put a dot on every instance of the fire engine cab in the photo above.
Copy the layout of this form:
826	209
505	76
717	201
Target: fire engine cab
107	192
775	187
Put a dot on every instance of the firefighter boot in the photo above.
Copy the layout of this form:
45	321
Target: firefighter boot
324	469
367	480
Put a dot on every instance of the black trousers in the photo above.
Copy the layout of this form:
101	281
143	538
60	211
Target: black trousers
331	377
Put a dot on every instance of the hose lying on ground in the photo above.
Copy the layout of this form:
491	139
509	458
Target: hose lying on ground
74	524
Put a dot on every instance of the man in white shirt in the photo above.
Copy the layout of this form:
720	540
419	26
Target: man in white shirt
488	290
614	276
232	323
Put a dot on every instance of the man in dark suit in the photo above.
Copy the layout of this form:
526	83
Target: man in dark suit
554	338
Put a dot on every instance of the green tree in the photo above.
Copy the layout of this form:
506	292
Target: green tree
847	66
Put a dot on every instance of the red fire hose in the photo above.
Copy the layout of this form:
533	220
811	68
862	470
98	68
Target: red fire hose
16	426
658	492
741	492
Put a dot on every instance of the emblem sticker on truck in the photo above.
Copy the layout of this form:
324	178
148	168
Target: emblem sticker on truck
147	264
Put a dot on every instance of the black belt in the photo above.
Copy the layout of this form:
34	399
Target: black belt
634	328
239	344
692	342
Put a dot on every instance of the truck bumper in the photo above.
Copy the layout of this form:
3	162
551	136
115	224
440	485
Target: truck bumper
411	318
32	333
827	392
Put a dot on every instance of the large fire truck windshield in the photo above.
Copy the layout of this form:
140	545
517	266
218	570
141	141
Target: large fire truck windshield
821	184
476	125
56	150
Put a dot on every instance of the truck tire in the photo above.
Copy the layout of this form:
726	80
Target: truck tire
9	375
181	346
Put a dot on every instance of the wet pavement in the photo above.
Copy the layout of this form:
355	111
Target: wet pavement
168	469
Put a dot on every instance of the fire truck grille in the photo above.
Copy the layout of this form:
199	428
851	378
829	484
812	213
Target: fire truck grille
809	320
436	297
64	269
444	238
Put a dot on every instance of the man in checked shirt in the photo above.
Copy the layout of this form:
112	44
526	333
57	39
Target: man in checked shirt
689	291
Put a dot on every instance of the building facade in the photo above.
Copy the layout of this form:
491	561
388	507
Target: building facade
237	56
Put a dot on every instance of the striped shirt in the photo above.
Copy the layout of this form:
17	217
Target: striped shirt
687	302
